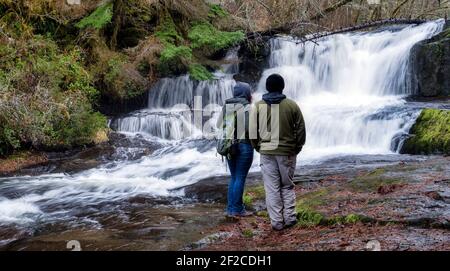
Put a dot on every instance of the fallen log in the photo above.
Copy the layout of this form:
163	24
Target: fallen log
285	29
362	26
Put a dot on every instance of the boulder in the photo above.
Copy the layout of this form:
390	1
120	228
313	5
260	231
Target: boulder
430	134
430	66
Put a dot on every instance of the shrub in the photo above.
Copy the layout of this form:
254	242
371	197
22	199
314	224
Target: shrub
45	97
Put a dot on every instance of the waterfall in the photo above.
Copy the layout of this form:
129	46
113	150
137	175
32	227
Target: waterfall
351	89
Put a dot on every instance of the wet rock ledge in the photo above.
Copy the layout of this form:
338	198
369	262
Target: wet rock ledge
430	65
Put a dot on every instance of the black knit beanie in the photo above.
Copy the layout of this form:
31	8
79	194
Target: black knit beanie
275	83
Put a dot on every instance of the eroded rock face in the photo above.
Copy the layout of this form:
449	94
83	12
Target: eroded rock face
430	65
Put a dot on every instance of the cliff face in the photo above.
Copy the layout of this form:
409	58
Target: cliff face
430	65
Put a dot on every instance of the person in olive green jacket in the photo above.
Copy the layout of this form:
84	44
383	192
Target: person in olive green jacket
279	136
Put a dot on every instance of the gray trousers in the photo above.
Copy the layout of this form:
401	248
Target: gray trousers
278	175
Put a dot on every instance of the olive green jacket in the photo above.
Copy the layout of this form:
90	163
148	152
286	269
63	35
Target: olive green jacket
291	126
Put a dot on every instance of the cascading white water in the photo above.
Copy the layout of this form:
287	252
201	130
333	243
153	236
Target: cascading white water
350	88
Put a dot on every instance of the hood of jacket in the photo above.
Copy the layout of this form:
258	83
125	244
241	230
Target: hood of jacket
273	97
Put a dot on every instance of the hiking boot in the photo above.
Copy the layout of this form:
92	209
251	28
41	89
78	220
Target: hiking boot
231	218
245	214
277	227
290	225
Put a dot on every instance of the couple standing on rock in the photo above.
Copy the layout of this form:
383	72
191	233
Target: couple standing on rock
275	128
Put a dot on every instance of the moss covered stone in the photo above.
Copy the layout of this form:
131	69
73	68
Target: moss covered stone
199	72
430	134
205	36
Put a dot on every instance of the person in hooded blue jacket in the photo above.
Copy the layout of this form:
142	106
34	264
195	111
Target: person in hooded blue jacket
241	158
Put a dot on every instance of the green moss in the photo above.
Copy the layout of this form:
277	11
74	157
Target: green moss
247	233
430	133
313	199
345	220
217	11
306	208
199	72
167	32
352	219
120	80
264	214
308	217
253	193
99	18
182	55
206	36
172	53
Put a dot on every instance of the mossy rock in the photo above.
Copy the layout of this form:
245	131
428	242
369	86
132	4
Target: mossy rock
253	194
205	37
430	134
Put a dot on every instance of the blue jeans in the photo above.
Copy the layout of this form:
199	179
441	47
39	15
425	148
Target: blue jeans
239	166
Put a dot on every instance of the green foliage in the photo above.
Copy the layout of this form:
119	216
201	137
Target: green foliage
178	55
206	36
174	59
167	31
253	193
99	18
306	214
345	220
247	233
115	65
8	140
171	53
199	72
431	133
122	81
307	217
45	97
217	11
352	219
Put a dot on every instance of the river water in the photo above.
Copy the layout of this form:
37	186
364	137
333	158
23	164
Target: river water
350	87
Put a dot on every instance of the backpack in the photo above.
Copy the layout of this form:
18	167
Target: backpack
225	144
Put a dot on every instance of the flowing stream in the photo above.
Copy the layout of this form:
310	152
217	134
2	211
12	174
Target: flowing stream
351	88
